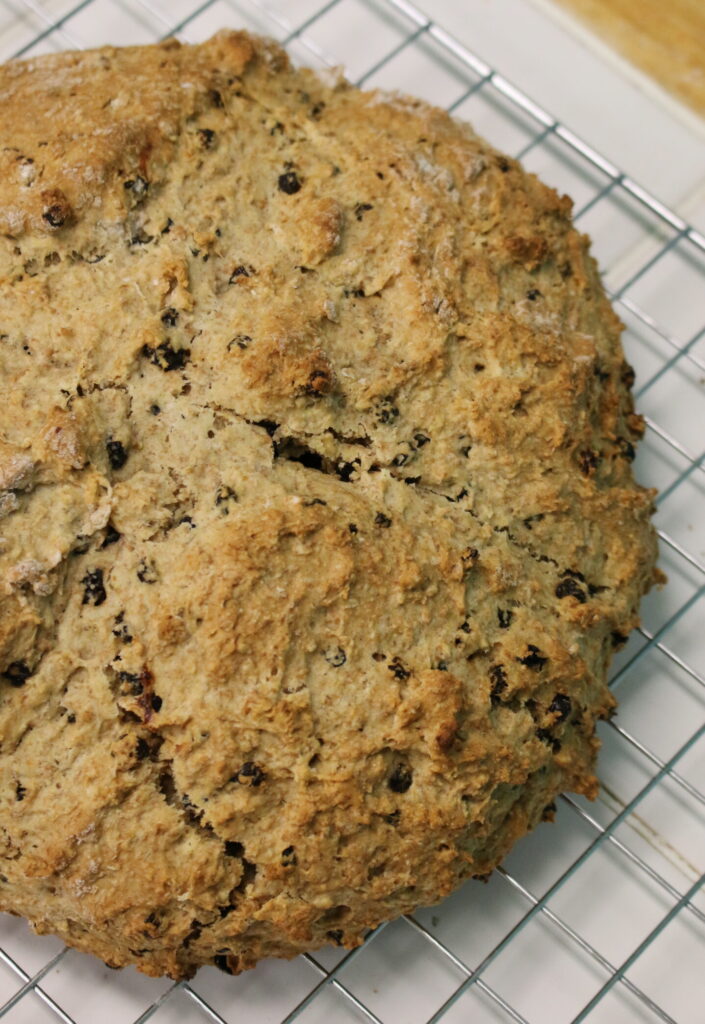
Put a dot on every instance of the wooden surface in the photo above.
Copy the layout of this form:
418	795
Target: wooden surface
664	38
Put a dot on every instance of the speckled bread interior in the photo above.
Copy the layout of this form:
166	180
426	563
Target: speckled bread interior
317	520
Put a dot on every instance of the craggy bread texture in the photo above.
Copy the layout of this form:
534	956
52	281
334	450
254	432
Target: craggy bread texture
318	522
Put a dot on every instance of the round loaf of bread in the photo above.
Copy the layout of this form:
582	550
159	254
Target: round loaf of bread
318	527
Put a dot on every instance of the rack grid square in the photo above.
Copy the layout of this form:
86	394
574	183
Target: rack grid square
601	916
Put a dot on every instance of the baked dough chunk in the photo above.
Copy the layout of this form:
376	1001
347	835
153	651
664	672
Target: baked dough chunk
318	526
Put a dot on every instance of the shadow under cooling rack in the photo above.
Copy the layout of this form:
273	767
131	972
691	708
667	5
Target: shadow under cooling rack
601	916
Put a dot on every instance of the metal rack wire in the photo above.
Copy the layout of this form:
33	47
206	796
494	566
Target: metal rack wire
647	832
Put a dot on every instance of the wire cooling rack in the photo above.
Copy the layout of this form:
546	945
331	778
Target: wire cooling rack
602	915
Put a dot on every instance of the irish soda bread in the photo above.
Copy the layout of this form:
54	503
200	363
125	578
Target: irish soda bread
318	522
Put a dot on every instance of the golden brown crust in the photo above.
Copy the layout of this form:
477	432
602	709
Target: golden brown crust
317	520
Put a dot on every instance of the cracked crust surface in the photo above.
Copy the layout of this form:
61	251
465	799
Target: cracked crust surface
317	520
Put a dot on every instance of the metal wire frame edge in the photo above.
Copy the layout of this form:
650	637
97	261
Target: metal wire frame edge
463	968
679	549
660	632
641	948
55	25
574	936
31	984
586	946
328	976
570	871
331	975
694	462
643	865
653	642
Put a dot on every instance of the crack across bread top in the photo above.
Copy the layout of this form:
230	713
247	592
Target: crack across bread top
317	521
